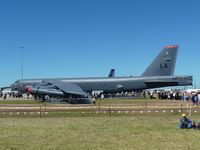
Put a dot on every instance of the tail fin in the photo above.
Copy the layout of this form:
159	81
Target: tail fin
164	63
112	73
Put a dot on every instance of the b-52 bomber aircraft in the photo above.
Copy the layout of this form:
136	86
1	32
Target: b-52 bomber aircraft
158	74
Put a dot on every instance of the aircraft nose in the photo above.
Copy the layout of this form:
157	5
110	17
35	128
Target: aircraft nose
13	86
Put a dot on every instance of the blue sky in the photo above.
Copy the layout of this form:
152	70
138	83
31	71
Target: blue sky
84	38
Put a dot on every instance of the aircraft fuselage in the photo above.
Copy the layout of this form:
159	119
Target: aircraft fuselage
110	85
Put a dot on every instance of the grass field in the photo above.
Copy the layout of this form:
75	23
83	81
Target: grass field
20	102
74	130
115	133
26	101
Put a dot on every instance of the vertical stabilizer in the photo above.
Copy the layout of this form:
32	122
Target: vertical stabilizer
164	63
112	73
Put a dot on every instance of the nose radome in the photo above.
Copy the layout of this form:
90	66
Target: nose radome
13	86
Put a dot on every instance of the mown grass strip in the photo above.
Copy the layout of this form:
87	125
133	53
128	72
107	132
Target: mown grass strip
102	133
20	102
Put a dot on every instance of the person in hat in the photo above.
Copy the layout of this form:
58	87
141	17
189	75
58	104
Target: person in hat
185	123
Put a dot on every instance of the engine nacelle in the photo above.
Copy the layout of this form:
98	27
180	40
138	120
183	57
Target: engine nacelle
44	91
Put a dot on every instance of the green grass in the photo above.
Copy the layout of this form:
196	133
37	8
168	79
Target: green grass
128	100
115	133
91	130
108	101
20	102
7	101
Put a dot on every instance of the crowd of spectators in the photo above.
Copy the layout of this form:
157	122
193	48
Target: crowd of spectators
13	94
194	97
172	95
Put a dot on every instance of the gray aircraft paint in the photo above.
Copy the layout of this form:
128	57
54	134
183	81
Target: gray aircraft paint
164	63
158	74
112	73
111	84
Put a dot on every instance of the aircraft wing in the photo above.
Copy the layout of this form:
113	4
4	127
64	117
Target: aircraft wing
55	88
67	88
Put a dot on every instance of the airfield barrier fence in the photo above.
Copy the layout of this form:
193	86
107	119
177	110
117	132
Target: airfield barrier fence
100	108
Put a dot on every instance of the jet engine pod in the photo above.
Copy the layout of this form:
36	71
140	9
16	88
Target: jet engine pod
44	91
28	89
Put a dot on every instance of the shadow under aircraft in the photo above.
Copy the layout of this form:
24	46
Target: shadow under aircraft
74	90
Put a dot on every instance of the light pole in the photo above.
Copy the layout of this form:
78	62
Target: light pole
195	86
22	61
